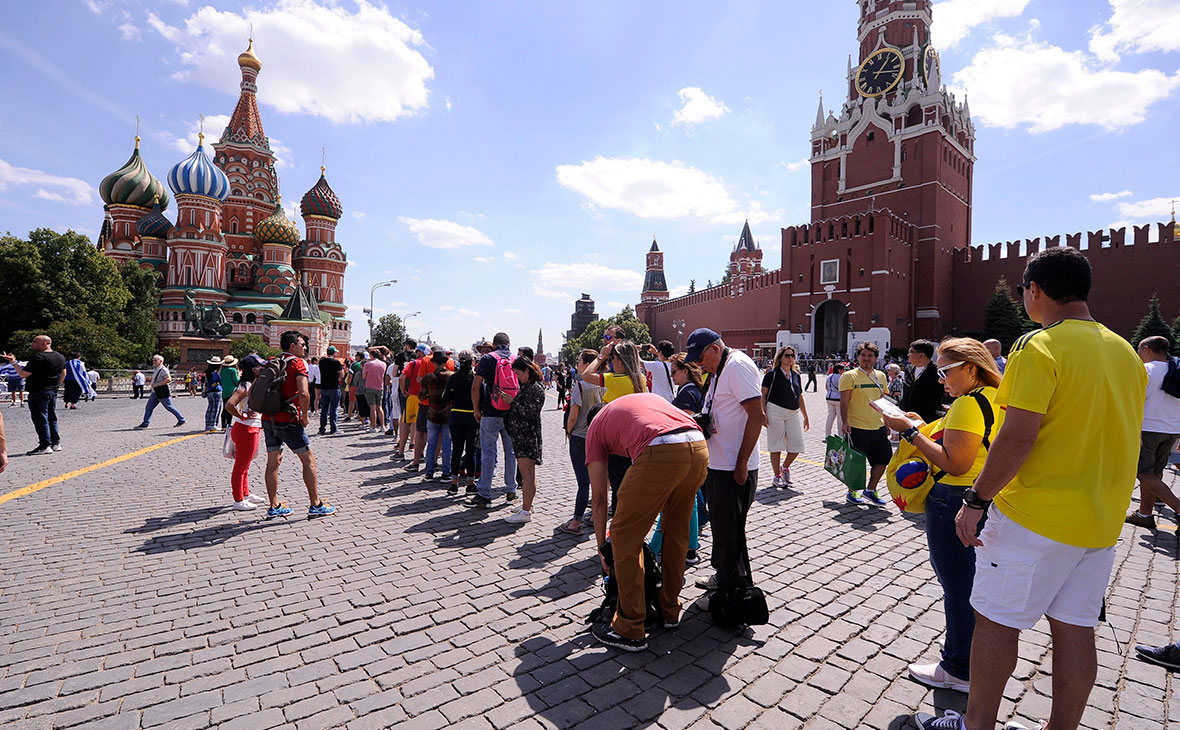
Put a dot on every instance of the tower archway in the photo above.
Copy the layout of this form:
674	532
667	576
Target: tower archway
830	327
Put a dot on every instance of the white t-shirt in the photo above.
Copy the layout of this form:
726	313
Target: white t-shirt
252	419
1161	412
394	373
660	375
739	381
313	373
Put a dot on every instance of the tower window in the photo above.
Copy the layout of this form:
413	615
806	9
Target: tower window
870	136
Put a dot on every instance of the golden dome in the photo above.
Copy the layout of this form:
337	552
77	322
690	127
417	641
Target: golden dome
248	59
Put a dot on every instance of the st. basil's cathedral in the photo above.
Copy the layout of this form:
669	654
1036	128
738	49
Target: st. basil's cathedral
231	244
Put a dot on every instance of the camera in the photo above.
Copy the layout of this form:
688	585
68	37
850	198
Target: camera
705	422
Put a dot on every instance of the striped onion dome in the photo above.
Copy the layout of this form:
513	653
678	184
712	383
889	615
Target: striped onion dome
154	224
132	184
197	175
277	228
321	200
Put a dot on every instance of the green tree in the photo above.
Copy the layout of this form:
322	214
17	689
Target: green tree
246	344
99	344
591	339
139	314
1003	317
1176	336
1152	324
390	332
171	354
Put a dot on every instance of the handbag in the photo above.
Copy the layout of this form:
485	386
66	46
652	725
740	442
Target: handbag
228	449
744	606
846	463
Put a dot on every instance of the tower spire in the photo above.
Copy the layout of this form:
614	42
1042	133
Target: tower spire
819	114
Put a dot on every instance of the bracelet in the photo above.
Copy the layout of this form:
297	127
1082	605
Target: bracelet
910	433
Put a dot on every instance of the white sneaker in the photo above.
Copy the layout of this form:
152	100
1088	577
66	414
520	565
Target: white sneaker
257	499
245	505
787	478
934	676
776	482
520	515
1014	725
951	720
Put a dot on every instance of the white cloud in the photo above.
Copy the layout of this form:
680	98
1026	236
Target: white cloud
1137	26
1019	81
484	259
358	214
678	291
615	305
557	281
796	165
655	189
955	19
362	66
1107	197
698	107
129	31
69	190
510	255
1155	208
445	234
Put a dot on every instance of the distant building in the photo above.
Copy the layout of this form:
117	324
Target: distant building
582	317
539	353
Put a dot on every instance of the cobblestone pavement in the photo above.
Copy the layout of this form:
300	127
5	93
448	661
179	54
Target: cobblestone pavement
131	596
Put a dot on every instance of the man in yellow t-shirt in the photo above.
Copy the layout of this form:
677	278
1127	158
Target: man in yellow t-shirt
859	387
1061	472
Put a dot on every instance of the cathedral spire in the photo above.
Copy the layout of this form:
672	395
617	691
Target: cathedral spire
819	114
245	124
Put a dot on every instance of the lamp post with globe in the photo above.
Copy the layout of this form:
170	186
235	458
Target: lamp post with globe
678	324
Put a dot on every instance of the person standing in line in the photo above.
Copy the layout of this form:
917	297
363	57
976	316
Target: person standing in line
491	426
862	423
996	348
1060	494
160	394
734	405
330	371
524	426
438	415
213	393
43	375
286	428
659	372
424	368
811	382
464	431
920	390
1160	432
412	384
393	405
230	376
245	430
373	373
137	382
313	383
76	385
782	397
832	398
583	397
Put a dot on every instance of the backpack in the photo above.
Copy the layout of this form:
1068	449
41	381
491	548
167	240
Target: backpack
653	577
266	394
741	606
1171	384
505	385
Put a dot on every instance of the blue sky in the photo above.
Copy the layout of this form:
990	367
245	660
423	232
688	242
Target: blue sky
500	158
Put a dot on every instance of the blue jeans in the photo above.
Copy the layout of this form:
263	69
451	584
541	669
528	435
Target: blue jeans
491	429
433	431
329	402
153	401
954	564
694	532
42	408
213	410
581	474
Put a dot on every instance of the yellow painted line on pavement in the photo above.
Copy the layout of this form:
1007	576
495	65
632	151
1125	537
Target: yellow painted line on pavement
93	467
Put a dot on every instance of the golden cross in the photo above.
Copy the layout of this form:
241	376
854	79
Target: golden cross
323	160
201	131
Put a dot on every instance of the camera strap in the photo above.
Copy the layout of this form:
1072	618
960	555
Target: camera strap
712	389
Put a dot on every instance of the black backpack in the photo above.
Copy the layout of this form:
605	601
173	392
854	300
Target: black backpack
266	392
1171	384
740	606
652	579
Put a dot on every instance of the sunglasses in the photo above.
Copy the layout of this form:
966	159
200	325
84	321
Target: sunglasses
606	337
788	354
942	371
1022	287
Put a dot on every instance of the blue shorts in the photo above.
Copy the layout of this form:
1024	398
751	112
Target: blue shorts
290	435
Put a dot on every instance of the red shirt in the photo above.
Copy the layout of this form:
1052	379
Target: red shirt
410	375
295	366
626	426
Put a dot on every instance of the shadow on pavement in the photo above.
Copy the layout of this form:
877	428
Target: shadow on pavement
184	517
1162	542
204	537
865	519
569	580
540	554
466	527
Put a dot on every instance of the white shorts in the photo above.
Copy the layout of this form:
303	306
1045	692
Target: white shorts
785	432
1021	576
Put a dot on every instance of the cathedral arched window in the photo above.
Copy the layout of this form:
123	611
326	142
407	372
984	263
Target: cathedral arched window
250	318
233	225
237	317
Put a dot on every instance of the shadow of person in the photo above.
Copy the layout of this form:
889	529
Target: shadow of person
184	517
1162	542
859	518
540	554
465	528
569	580
204	537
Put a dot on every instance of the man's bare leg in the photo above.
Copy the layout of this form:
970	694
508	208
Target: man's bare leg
993	659
1075	667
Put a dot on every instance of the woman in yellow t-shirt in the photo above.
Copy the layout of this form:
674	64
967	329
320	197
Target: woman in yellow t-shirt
957	452
628	377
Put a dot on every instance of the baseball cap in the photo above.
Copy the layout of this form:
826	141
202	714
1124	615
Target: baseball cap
698	341
331	350
465	356
423	348
436	349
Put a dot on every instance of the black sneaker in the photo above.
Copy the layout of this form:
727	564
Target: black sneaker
606	635
691	558
478	501
453	489
141	426
510	497
472	489
39	451
411	467
1165	656
322	432
178	424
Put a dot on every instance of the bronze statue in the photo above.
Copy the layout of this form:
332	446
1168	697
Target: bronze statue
204	320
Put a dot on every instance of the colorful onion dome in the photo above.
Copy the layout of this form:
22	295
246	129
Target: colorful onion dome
132	184
154	224
197	175
248	59
277	228
321	200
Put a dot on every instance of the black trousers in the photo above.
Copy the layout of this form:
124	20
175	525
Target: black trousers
811	383
464	436
729	503
616	469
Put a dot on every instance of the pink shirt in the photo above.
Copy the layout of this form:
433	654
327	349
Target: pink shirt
374	374
626	426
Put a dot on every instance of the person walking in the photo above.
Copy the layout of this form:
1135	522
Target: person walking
76	385
524	427
956	453
330	371
286	428
811	382
43	375
137	383
438	415
786	414
670	461
230	376
1060	494
244	431
1160	432
832	398
213	393
861	423
583	397
160	394
491	424
464	429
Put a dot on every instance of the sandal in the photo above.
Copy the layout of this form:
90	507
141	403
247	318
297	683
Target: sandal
569	528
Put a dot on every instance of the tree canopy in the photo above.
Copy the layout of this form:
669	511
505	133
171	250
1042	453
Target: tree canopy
390	332
591	339
1003	318
1152	324
246	344
86	302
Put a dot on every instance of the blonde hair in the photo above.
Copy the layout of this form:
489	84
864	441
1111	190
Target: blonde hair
628	354
778	357
694	371
971	351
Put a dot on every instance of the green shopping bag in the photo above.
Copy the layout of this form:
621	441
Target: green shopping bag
846	463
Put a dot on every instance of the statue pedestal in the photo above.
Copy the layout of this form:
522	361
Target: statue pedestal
195	351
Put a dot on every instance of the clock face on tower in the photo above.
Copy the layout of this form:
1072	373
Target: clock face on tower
880	72
929	63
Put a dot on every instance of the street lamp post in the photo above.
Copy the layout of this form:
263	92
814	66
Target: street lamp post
678	324
372	290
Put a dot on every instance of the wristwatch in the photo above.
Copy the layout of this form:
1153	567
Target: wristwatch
971	499
910	433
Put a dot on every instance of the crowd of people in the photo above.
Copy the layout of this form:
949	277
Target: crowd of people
670	441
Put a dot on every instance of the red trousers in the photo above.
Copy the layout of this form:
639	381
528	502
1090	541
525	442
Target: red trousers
245	440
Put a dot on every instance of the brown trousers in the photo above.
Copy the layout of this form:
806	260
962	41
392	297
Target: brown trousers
664	478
